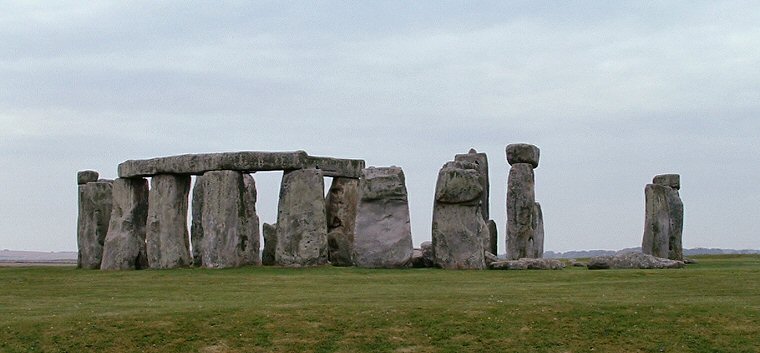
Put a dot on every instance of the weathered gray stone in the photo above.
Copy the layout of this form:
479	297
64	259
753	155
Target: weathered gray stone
528	264
428	258
493	237
460	235
87	176
669	180
521	203
341	206
538	237
459	183
92	224
490	258
523	153
124	247
383	233
270	243
481	161
301	220
632	260
167	240
663	222
228	233
247	161
417	259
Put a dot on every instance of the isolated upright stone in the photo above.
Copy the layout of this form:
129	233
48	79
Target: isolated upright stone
92	224
270	243
383	233
229	227
460	234
124	247
167	240
341	204
663	221
301	219
522	216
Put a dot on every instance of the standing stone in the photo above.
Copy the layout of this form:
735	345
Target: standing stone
460	234
341	204
228	233
538	237
124	247
493	238
301	219
92	224
383	232
167	240
663	219
522	216
270	243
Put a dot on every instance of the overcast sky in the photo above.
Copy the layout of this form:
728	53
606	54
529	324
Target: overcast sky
612	92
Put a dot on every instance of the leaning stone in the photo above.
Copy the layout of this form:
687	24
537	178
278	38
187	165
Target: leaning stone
124	247
528	264
270	243
196	222
523	153
95	199
538	237
86	176
521	203
230	235
481	161
632	261
167	240
663	222
341	206
301	220
383	233
669	180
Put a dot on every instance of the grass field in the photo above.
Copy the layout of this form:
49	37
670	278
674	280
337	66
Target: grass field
713	306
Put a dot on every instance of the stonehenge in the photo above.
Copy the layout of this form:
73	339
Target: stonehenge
523	214
95	202
140	220
383	232
124	247
663	220
460	233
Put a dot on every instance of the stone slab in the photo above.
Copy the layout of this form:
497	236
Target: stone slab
87	176
301	220
167	238
95	200
124	247
245	161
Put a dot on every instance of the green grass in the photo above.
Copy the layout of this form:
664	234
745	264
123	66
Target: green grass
713	306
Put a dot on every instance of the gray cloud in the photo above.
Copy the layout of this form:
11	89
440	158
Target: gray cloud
612	93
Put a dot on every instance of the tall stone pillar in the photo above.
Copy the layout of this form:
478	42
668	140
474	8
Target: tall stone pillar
269	232
481	161
124	247
538	239
341	204
521	202
301	220
167	240
383	231
227	234
460	234
94	214
663	221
